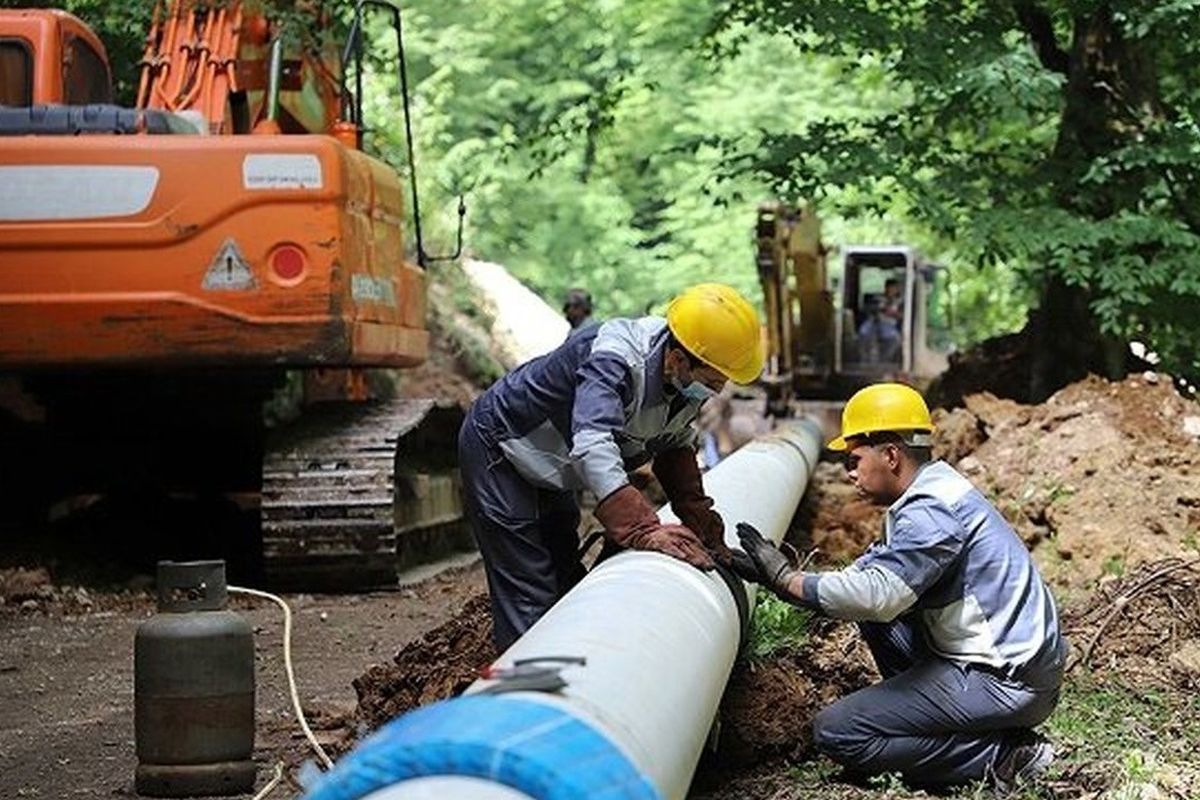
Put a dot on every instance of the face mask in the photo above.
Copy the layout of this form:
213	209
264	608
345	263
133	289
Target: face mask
695	391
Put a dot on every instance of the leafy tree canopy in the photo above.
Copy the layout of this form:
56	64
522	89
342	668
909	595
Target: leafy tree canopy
1040	149
1060	137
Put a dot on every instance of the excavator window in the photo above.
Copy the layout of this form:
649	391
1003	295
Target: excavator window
85	75
16	73
879	316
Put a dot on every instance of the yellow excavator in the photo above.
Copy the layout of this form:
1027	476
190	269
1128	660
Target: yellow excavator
830	334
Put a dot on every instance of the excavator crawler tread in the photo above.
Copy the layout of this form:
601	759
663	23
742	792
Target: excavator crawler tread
353	490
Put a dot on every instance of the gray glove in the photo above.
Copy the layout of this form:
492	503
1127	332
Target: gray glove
762	562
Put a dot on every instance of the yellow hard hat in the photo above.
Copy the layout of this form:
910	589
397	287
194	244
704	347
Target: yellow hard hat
720	327
883	407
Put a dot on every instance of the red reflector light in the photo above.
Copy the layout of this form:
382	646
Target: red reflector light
287	262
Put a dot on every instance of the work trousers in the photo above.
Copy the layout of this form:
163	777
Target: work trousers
529	537
938	722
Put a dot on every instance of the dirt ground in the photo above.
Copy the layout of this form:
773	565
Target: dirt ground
66	674
1100	481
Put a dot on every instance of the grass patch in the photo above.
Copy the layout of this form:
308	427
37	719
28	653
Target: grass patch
1126	741
776	627
1114	741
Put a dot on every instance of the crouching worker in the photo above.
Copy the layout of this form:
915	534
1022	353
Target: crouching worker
960	624
606	401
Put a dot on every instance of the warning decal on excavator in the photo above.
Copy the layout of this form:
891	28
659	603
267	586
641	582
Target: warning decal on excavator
229	270
282	171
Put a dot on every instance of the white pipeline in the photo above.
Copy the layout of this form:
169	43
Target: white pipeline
659	639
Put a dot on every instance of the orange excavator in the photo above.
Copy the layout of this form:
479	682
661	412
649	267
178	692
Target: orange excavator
163	267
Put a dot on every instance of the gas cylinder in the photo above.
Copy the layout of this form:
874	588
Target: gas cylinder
194	688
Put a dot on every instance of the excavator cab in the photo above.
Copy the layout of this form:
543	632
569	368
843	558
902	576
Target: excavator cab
888	299
50	56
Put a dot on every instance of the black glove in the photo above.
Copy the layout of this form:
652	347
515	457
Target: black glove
762	562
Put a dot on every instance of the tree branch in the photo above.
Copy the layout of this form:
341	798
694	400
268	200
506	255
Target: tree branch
1040	28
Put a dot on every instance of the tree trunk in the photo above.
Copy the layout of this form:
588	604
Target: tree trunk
1111	86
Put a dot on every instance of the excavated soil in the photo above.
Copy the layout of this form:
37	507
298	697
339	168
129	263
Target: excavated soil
1102	477
30	590
440	664
769	704
1102	481
1099	480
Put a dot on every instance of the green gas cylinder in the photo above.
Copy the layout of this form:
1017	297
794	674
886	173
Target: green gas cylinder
194	688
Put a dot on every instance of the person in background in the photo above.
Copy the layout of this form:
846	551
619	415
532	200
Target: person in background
963	629
881	330
577	308
608	400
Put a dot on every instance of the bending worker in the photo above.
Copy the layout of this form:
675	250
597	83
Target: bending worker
606	401
960	624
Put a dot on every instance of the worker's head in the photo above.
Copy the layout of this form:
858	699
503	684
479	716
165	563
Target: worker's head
577	306
886	437
714	337
891	287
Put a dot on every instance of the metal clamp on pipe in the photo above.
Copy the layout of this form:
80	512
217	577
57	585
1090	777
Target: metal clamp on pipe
536	674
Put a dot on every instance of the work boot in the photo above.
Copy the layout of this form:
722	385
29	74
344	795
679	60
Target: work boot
1027	756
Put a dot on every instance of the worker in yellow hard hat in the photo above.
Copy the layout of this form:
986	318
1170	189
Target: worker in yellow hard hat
608	400
960	623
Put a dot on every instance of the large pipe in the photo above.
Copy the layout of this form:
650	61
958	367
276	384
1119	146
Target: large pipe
659	638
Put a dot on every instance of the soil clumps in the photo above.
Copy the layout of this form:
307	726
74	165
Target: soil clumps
441	664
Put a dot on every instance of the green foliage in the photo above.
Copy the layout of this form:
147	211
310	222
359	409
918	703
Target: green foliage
1057	140
1114	565
1111	741
776	626
1103	725
603	145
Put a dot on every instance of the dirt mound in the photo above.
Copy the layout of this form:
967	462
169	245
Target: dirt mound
833	519
1017	366
1144	626
769	705
1098	479
1000	365
440	664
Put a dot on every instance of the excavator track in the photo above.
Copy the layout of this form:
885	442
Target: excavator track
353	491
